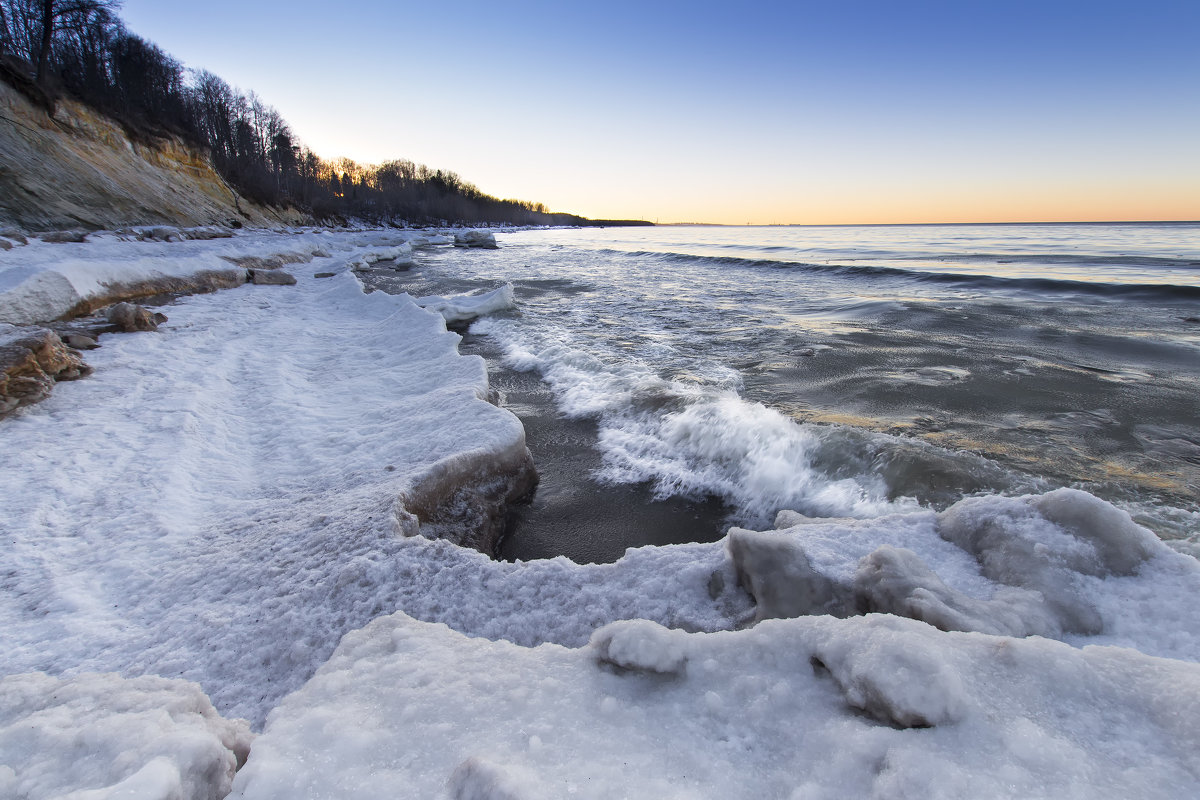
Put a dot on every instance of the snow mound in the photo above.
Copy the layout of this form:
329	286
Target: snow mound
96	737
814	707
641	645
466	307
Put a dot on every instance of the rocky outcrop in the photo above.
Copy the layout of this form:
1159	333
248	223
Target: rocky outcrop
200	281
31	361
276	260
78	169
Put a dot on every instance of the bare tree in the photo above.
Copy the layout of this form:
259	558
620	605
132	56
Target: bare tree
54	13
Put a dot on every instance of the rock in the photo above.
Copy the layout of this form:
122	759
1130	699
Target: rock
5	244
129	317
64	237
324	274
482	239
207	232
270	262
271	278
80	342
31	361
161	233
14	235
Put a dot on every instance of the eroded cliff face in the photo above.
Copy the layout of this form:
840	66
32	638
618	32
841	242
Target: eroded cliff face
78	169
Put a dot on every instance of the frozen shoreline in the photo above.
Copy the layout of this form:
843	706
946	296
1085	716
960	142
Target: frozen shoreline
224	500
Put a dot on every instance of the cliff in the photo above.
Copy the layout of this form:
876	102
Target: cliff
79	169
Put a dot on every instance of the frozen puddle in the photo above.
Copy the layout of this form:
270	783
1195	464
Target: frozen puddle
227	498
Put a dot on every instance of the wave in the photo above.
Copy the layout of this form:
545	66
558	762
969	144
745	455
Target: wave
1141	290
699	438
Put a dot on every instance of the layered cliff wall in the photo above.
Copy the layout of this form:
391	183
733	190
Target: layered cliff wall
78	169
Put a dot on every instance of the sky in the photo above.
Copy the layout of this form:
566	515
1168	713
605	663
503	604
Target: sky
802	112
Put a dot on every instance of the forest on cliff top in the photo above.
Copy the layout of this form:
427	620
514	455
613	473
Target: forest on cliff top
81	49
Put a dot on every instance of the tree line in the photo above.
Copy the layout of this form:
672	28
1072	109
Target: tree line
81	49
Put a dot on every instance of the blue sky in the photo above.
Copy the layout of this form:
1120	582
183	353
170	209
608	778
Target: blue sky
802	112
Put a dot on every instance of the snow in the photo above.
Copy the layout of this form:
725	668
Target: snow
228	497
815	707
101	737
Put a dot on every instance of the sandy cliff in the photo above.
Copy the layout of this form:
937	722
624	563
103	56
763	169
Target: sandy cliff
78	169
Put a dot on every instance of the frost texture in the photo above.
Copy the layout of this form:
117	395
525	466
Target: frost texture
821	707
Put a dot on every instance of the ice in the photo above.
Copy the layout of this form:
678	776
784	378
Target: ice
400	255
228	496
776	571
814	707
103	737
1064	564
641	645
482	239
466	307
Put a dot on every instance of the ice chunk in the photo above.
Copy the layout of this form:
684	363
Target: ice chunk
99	736
781	579
466	307
482	239
896	581
1050	544
400	255
898	675
642	646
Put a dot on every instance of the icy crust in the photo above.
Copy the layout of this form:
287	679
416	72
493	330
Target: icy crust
43	281
103	737
815	707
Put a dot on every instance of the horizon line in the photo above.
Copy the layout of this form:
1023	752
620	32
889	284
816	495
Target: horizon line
909	224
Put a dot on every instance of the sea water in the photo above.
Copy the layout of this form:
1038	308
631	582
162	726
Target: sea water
692	377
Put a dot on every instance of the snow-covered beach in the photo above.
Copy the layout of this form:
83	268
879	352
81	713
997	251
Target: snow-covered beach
227	498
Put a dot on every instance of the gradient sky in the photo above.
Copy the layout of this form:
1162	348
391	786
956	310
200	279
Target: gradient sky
838	111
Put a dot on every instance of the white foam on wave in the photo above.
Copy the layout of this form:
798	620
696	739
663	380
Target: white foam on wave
753	456
693	435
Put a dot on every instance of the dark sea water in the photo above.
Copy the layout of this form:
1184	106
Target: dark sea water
675	380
